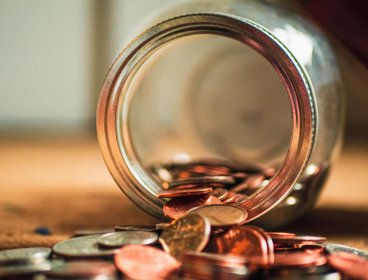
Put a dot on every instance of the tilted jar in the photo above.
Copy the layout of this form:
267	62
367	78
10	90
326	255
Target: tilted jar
244	81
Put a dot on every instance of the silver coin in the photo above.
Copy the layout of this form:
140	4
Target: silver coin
26	268
24	254
121	238
332	248
84	246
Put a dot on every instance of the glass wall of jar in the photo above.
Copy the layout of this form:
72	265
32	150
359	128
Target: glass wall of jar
247	85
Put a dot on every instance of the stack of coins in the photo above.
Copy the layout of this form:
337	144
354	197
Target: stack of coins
191	247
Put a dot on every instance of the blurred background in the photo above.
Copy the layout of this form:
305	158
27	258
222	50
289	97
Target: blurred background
54	56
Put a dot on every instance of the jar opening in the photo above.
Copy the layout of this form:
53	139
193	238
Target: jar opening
186	90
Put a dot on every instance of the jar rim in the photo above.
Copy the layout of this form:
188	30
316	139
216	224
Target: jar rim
112	124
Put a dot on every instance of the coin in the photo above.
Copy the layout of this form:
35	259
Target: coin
145	262
84	246
121	238
244	241
135	228
189	233
199	181
222	215
180	206
83	270
332	248
21	254
176	192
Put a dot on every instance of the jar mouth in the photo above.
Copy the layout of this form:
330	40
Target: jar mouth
113	108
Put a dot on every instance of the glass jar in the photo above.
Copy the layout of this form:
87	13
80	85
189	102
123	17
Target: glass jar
232	81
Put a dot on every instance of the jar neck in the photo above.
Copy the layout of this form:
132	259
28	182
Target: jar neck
113	109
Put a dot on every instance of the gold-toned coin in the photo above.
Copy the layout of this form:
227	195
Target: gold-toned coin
221	215
190	233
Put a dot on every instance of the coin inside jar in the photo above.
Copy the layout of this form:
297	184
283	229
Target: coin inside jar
225	180
189	233
121	238
178	192
222	215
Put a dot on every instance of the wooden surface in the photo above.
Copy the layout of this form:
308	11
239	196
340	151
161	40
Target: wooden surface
64	185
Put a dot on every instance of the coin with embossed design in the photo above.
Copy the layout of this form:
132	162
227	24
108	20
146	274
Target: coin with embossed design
189	233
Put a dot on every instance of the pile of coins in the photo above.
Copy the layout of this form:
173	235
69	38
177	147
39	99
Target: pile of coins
206	239
188	248
206	182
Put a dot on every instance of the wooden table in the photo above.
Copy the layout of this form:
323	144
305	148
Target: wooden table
64	185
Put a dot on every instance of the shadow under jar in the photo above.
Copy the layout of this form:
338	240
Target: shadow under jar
233	83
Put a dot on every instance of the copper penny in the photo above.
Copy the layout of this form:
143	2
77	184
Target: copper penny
222	215
230	198
247	241
176	192
145	262
199	181
190	233
179	206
